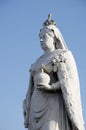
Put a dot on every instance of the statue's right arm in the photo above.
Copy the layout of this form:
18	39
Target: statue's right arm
26	103
29	92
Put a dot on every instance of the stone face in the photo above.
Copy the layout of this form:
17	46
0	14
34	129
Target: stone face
51	102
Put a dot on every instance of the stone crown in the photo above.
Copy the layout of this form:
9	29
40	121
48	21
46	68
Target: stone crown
49	21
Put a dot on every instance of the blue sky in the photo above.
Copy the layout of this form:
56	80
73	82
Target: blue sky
20	22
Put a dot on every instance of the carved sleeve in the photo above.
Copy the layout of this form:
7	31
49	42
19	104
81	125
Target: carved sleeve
26	102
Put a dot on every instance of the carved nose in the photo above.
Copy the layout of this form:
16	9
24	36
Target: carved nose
41	40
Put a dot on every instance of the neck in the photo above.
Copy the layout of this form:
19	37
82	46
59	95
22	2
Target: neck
49	51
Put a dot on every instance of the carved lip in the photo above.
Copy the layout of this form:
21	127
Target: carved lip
42	42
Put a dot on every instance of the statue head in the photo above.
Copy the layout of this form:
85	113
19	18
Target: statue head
49	27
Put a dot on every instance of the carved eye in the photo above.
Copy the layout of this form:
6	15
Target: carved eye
44	37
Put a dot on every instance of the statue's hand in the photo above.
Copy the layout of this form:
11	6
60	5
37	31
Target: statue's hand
47	87
43	87
25	125
26	118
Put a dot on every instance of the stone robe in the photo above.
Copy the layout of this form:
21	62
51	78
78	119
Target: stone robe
56	110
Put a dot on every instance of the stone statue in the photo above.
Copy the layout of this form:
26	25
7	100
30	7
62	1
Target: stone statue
53	98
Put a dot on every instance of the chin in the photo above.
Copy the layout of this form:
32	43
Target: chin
43	47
